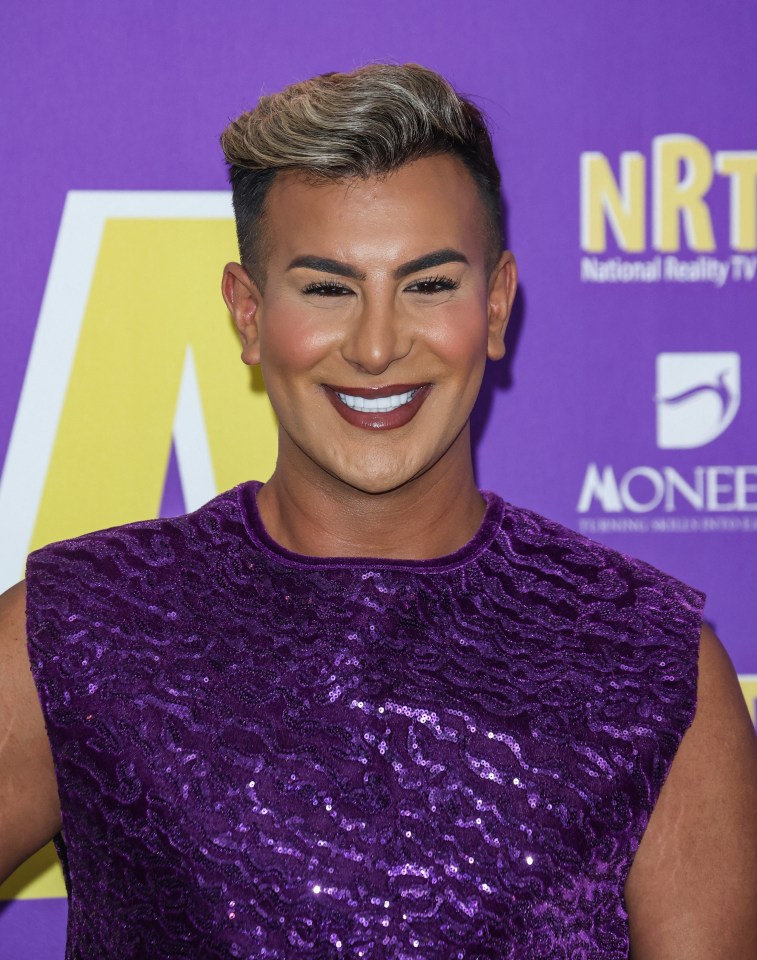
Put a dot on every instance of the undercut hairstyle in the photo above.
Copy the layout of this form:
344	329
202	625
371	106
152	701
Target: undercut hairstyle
363	124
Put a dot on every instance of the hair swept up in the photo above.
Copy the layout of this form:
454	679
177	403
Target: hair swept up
342	125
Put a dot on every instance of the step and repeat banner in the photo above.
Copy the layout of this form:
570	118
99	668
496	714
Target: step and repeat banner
627	405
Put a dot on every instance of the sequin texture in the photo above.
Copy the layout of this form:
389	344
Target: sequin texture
266	755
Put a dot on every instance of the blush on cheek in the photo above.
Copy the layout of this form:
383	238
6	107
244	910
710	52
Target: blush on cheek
293	340
460	341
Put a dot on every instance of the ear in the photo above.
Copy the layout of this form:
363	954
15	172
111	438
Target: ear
243	298
503	283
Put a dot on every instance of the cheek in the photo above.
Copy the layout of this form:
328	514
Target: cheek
459	338
292	340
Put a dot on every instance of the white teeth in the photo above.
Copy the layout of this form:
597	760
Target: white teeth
379	405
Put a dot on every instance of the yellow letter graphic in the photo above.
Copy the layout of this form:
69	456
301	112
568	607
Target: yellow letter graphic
602	199
155	293
673	195
748	683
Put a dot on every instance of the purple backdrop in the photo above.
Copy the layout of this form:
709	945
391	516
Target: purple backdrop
103	96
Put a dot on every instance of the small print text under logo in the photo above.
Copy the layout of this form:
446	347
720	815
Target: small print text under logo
668	268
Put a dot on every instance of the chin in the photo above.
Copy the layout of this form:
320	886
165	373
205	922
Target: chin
378	478
372	484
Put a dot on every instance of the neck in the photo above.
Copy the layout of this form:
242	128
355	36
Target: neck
312	513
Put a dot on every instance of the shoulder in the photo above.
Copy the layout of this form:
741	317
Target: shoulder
127	569
153	541
691	885
594	573
531	532
93	602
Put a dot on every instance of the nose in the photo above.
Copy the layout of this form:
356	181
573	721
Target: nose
378	336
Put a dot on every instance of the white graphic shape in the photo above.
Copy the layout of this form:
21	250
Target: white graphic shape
698	395
54	348
190	437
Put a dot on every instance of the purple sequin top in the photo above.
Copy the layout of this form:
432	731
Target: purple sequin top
267	755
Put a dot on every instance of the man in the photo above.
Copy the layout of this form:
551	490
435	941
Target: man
365	709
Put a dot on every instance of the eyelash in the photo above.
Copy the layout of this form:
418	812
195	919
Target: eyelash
330	288
325	288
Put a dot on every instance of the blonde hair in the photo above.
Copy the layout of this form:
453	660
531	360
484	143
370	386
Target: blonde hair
361	124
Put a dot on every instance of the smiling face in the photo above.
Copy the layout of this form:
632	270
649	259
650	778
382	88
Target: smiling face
376	321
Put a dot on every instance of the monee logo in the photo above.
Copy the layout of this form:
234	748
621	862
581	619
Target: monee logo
697	399
681	173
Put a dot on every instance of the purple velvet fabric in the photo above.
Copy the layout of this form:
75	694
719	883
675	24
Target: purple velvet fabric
267	755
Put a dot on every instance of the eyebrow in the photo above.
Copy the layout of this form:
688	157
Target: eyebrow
434	259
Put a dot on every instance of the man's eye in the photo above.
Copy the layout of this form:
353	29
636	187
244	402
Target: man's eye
431	285
326	288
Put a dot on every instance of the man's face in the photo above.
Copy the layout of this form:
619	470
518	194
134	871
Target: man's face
376	321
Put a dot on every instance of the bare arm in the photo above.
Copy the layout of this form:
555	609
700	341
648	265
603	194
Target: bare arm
692	890
29	806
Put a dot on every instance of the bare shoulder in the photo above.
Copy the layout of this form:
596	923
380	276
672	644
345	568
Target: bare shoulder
12	610
29	807
691	890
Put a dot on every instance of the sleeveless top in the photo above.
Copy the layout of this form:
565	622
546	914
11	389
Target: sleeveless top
262	754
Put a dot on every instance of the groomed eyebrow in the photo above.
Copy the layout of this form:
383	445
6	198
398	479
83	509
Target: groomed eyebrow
325	265
429	260
425	262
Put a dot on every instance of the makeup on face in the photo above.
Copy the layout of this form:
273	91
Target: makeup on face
373	325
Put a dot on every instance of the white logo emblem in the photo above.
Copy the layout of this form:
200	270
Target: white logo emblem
697	397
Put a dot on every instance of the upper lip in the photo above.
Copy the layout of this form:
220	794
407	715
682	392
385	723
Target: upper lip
368	393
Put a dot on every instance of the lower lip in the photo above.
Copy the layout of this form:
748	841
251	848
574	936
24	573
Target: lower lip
380	420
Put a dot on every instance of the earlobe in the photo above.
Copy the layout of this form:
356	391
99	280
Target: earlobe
242	297
502	288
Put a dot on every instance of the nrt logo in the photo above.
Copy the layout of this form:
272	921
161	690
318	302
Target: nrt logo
698	395
681	172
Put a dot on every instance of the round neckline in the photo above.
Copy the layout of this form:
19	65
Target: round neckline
264	542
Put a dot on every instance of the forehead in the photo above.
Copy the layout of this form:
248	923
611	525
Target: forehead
426	204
